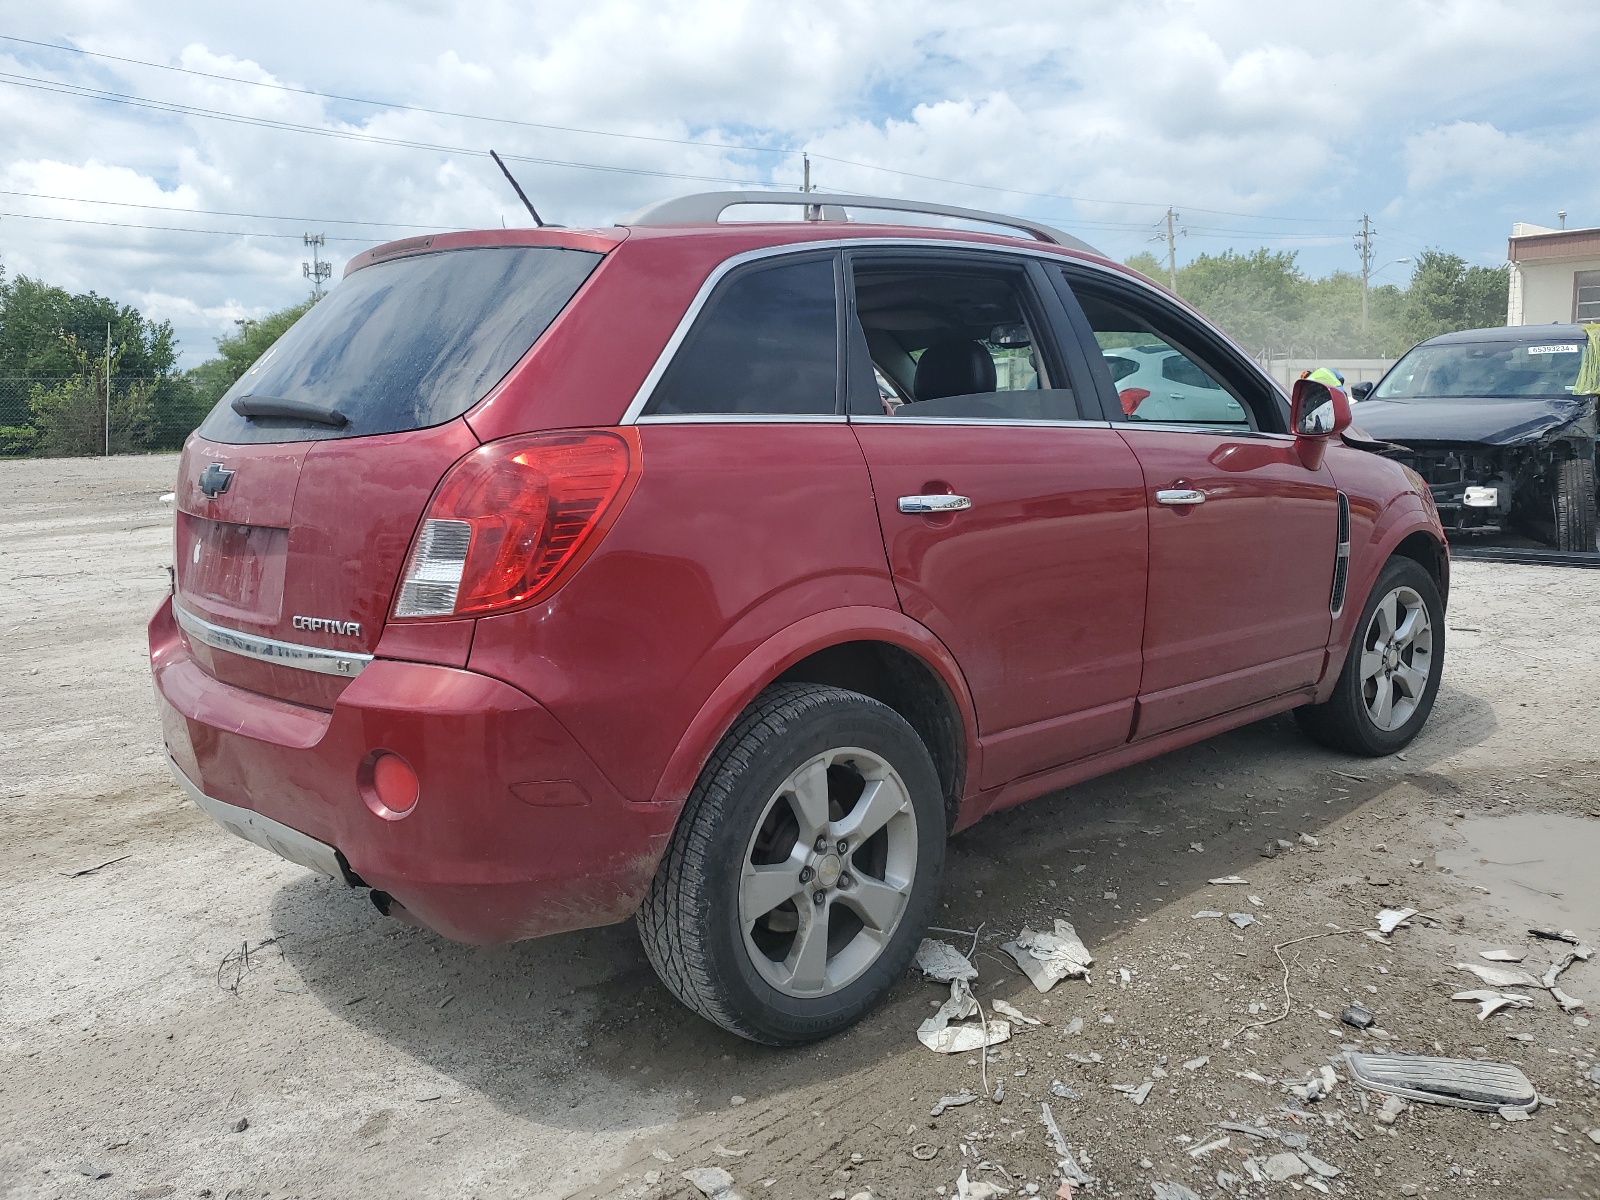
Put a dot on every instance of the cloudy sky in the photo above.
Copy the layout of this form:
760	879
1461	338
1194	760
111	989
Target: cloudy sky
176	164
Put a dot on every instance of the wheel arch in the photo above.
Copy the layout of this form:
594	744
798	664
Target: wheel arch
880	653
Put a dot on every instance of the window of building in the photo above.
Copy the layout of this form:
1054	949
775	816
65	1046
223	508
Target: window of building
1586	296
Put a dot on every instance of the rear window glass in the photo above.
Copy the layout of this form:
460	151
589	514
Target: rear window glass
766	344
405	344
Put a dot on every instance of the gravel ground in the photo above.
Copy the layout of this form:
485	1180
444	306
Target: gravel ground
146	1054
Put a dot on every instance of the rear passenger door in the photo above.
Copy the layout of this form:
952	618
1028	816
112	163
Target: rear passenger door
1243	535
1014	518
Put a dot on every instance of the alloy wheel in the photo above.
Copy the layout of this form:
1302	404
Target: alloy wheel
1396	658
828	872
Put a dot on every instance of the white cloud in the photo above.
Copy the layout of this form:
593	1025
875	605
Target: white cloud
1246	106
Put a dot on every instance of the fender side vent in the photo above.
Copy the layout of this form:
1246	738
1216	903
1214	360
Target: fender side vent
1341	562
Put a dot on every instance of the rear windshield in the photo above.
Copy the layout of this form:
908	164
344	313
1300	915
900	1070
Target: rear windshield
404	344
1463	370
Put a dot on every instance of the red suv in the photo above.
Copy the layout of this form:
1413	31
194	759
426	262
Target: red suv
715	573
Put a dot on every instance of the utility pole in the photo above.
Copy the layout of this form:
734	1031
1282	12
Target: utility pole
316	270
1172	251
108	390
1364	247
813	211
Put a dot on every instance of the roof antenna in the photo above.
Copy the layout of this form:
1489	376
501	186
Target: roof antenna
521	195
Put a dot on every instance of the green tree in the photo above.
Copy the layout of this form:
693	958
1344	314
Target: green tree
238	351
70	416
1447	295
1259	297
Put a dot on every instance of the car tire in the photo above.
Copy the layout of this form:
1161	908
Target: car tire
1391	672
752	833
1575	504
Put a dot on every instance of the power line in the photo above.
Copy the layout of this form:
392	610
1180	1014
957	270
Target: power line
737	146
171	228
215	212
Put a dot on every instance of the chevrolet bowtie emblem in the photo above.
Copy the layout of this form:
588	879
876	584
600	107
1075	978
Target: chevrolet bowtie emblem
214	480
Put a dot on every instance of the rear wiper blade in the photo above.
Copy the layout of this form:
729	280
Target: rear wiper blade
290	409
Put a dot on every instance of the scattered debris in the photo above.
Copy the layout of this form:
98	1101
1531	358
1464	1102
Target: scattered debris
938	1035
726	1153
713	1182
93	1172
1568	1003
1307	840
1551	935
1392	1108
661	1155
955	1101
1391	919
1288	1001
1136	1094
1207	914
1500	977
1221	1143
1231	879
1194	1064
1284	1166
1457	1082
1492	1002
1197	847
1071	1173
1593	1135
91	870
1074	1026
1503	956
1171	1191
1048	958
1357	1017
924	1151
1578	952
241	1124
942	961
1326	1170
1512	1115
982	1190
736	1101
1242	920
1016	1014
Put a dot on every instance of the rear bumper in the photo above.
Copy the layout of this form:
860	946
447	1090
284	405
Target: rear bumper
515	833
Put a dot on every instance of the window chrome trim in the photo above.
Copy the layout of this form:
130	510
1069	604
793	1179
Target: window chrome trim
341	663
1019	422
632	415
741	419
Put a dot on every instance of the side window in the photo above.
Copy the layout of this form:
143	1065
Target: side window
1158	377
766	343
951	340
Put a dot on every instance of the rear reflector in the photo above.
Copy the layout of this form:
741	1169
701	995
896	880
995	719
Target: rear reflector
513	519
395	783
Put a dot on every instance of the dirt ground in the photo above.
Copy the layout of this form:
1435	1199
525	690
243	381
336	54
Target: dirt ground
346	1055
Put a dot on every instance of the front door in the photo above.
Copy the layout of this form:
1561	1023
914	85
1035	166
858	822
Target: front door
1243	535
1014	522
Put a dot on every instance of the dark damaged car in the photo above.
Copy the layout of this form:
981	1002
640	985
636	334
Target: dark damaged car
1490	418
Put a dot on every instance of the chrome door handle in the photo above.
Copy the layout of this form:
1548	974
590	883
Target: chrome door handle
940	503
1178	497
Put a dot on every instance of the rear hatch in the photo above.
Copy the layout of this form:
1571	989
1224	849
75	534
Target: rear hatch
299	495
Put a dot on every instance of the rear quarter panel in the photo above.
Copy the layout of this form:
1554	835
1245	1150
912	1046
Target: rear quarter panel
734	533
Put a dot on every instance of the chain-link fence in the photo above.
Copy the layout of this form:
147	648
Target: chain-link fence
73	416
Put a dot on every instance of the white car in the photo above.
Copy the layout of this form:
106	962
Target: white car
1157	383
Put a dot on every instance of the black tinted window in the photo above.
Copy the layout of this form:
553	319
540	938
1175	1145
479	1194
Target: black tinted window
766	343
408	343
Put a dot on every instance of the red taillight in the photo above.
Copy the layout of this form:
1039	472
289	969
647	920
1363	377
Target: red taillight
513	519
395	784
1131	398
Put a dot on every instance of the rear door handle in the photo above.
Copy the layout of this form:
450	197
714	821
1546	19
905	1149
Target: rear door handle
941	502
1178	497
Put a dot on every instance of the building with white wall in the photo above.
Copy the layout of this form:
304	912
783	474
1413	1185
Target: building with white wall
1555	275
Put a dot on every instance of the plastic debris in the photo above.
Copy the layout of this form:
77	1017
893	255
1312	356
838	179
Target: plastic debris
1171	1191
1593	1135
1512	1115
1197	847
1568	1003
1357	1017
980	1190
942	961
1580	951
1242	920
1503	956
1551	935
1073	1026
1207	914
1227	1181
1136	1094
1326	1170
1194	1064
1063	1091
1393	1106
1071	1173
713	1182
1048	958
955	1101
1500	976
1230	879
1307	840
1457	1082
1016	1014
1282	1167
1391	919
924	1151
940	1036
1221	1143
1492	1002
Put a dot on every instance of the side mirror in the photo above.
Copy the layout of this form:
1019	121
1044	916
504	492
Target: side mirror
1317	413
1362	390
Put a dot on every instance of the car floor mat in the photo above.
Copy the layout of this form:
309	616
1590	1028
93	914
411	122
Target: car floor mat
1460	1082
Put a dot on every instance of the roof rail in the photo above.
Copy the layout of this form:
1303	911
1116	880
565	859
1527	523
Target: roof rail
706	208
